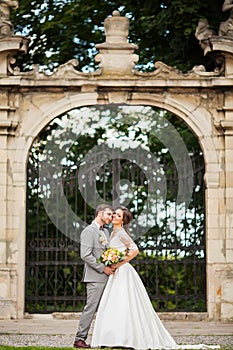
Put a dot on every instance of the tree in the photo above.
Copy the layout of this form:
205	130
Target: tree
163	30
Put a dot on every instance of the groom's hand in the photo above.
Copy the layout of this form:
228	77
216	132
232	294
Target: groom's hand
108	270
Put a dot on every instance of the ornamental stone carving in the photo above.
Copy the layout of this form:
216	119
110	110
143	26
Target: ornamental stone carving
219	46
203	32
6	27
10	44
116	56
226	28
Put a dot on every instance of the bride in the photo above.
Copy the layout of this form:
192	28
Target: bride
125	317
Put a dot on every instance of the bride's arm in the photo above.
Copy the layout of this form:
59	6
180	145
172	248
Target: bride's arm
129	256
131	249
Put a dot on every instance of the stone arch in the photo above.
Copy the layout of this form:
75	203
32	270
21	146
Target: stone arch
198	119
46	113
77	102
191	116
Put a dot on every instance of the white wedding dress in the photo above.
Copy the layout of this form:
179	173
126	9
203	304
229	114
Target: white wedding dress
125	317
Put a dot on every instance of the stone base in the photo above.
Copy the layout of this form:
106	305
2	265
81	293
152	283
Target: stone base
6	309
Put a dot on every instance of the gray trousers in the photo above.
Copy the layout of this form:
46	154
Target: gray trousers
94	293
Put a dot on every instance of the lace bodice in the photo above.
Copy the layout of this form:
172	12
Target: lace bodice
121	240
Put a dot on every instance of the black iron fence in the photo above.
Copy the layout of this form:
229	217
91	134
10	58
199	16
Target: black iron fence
171	263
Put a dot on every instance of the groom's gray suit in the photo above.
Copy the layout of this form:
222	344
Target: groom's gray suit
93	243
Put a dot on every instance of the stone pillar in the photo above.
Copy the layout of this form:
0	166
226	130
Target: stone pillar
16	228
220	213
10	46
220	224
6	302
215	238
227	273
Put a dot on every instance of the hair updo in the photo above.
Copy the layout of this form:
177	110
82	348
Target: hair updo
127	217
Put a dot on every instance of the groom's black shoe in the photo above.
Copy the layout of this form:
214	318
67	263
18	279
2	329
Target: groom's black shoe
81	344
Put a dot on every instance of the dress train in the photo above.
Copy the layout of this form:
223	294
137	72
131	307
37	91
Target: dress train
126	317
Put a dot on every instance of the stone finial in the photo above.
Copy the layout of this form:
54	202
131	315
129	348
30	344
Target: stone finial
116	28
6	27
116	54
10	44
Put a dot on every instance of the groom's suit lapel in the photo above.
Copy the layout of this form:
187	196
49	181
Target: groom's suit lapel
97	232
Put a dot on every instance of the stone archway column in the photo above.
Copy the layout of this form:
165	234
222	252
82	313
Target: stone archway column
219	214
7	271
12	209
10	46
4	270
226	310
215	241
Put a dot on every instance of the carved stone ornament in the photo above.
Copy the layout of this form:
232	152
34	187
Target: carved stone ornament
203	30
10	44
220	46
163	71
67	70
6	27
116	56
8	127
226	28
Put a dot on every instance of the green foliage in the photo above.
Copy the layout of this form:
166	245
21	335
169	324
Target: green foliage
163	30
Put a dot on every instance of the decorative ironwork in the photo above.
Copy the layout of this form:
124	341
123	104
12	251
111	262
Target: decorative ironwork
172	259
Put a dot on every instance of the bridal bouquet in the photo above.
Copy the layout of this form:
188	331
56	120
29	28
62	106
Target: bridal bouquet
111	256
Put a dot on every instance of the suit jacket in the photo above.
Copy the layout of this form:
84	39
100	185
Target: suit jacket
92	246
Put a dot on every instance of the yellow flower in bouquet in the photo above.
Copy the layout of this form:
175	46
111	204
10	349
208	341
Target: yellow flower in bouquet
111	256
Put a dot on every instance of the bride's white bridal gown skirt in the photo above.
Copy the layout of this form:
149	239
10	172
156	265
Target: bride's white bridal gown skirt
126	317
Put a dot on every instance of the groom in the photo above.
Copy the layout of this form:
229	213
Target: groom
94	240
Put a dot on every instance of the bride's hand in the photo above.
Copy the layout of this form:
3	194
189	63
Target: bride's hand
115	266
108	270
129	256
